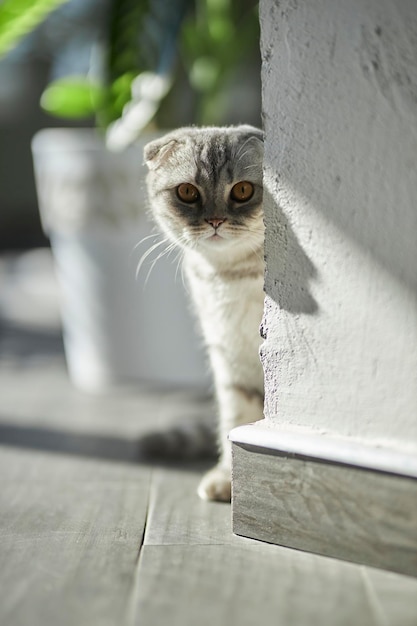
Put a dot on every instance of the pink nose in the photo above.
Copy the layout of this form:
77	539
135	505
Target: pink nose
215	221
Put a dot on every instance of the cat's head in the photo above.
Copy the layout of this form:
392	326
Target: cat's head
205	187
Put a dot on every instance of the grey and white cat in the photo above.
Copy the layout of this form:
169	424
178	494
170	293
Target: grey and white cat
205	190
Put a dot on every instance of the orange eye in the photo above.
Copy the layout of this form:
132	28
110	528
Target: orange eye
188	193
243	191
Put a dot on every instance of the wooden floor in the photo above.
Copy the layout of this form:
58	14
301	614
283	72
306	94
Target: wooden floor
90	535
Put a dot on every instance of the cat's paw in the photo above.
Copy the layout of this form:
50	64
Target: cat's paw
216	485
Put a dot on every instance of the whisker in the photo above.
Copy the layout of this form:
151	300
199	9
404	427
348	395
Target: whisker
165	252
184	282
139	243
241	156
177	260
252	165
238	155
145	239
147	254
180	265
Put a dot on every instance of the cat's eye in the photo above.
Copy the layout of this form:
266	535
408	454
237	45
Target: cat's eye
241	192
188	193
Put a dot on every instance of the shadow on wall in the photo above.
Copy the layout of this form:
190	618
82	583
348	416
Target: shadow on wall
342	135
288	284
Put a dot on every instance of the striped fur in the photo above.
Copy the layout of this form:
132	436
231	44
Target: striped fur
225	272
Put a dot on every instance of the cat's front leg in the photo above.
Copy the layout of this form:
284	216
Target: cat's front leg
238	404
216	484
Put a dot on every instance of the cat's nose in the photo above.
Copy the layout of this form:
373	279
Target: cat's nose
216	221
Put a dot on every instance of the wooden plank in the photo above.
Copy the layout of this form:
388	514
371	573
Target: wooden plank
20	465
71	526
336	510
329	448
393	596
69	541
35	390
268	585
41	410
177	516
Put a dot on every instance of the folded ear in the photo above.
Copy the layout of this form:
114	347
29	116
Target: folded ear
252	133
157	152
253	136
256	140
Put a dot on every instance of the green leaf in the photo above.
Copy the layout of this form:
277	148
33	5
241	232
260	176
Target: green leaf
72	97
20	17
204	73
221	29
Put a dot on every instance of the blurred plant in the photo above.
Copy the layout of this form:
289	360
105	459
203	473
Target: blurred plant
19	17
215	39
142	55
145	44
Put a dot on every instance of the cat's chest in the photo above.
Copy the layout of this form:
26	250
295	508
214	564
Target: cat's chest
230	302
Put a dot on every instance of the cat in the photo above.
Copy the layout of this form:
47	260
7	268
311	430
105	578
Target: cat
205	191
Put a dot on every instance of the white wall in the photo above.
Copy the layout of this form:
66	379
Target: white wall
340	114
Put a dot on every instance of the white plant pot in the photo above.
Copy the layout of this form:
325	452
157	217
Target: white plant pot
116	329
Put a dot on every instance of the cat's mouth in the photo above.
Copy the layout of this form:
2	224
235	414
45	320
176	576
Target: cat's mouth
213	233
212	239
215	236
